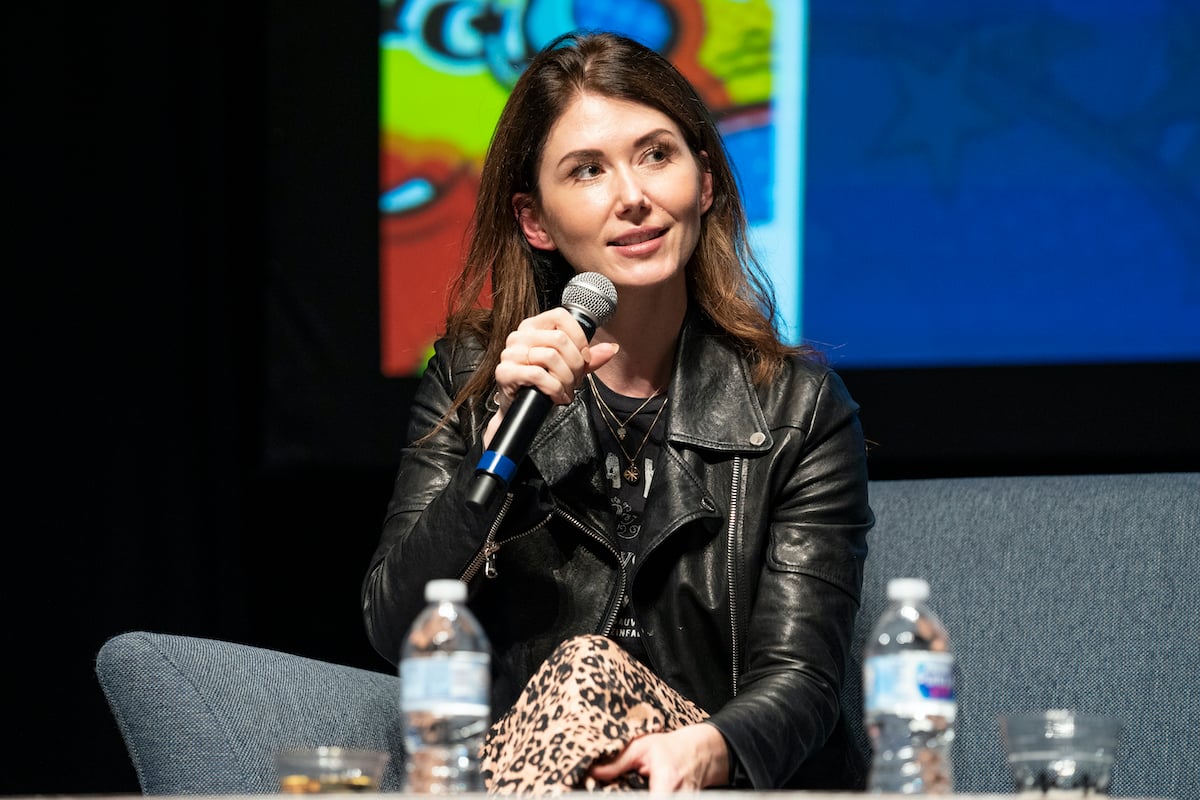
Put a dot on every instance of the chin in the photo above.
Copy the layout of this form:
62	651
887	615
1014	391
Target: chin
649	278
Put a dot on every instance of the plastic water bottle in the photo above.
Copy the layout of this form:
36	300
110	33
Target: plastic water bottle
908	695
445	686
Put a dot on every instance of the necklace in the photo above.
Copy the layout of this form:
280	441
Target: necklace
622	427
631	473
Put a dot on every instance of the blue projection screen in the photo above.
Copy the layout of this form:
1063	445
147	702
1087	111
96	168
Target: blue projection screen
1002	183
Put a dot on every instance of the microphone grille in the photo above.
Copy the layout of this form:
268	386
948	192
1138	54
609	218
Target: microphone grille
593	293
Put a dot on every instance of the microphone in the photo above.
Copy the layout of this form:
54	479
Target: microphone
591	300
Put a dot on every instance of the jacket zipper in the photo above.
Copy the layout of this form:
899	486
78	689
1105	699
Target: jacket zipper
486	557
735	522
611	618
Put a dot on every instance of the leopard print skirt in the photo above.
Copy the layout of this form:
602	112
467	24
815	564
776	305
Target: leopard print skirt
584	704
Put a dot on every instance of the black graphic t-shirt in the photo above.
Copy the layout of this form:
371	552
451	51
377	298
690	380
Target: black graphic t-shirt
630	431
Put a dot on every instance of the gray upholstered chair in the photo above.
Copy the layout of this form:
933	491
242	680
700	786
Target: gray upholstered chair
201	716
1074	591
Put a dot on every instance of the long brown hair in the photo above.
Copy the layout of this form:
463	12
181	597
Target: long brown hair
724	279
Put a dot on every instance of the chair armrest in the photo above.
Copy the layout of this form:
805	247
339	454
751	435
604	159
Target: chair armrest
202	716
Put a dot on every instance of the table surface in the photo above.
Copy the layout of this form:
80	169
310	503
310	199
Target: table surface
705	795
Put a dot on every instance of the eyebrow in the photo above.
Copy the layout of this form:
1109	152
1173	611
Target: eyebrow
642	141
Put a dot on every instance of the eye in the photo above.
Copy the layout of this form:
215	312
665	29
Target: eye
659	153
586	171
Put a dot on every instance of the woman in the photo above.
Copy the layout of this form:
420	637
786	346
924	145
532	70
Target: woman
698	494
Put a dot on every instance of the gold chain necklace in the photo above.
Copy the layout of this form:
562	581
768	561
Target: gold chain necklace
631	473
622	427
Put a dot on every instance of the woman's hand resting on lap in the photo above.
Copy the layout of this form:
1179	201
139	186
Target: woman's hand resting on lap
686	759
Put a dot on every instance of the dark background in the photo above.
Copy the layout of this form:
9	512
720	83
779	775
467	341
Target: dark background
175	169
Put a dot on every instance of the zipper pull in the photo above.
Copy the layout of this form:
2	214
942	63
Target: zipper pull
489	561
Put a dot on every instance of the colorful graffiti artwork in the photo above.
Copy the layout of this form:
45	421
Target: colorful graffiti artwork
446	67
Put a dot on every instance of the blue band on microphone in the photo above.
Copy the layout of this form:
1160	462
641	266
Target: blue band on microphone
499	465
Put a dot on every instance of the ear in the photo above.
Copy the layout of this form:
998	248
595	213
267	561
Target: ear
706	186
531	222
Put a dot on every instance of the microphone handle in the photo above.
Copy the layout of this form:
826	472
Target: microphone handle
495	470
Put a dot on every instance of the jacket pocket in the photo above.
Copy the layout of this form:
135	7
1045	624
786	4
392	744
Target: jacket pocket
833	553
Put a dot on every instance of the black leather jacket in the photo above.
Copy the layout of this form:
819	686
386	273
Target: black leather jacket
749	583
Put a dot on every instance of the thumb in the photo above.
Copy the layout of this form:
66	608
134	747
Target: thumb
600	354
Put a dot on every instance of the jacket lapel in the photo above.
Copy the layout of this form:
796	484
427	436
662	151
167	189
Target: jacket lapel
713	402
714	409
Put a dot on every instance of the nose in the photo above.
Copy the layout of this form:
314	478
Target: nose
631	194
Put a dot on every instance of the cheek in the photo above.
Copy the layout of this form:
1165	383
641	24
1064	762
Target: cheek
694	204
685	198
578	217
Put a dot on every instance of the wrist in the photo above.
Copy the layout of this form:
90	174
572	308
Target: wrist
718	764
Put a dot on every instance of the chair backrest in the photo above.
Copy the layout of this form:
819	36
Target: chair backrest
1058	592
201	716
1073	591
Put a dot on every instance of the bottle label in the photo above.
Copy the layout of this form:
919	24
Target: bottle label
910	683
446	683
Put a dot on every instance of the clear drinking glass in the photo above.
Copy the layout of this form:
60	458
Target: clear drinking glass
324	770
1059	752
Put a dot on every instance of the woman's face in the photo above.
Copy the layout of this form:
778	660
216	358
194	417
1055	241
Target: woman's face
620	193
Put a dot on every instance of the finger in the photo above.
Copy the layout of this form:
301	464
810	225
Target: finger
663	776
525	346
538	328
545	359
490	429
665	782
561	320
549	375
609	771
631	759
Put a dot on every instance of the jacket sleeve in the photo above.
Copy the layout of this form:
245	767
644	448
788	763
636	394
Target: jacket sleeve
799	627
428	532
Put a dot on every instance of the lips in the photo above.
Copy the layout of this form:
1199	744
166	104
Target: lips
637	237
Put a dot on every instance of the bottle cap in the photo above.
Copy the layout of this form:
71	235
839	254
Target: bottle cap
908	589
445	589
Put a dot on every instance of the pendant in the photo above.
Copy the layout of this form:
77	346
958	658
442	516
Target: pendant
631	474
621	433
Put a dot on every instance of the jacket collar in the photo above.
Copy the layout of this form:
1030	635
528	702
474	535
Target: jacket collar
714	402
713	406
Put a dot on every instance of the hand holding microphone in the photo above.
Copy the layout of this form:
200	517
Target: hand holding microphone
590	299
